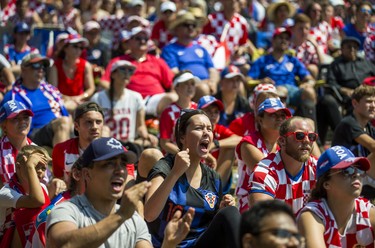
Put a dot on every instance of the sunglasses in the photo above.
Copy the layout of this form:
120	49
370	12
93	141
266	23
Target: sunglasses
367	11
189	25
300	136
140	38
37	66
78	47
126	70
350	172
282	234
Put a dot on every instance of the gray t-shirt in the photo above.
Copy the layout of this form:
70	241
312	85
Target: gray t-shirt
80	211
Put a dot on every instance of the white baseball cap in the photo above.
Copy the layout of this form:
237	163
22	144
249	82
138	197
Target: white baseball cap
168	6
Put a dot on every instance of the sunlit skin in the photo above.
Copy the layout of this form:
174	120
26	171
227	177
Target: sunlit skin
365	108
345	187
281	42
186	89
17	127
272	120
31	77
89	127
213	113
299	150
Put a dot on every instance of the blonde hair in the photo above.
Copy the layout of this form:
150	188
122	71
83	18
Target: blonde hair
31	149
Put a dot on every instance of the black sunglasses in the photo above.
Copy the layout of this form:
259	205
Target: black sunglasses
140	38
300	136
126	70
350	172
37	66
189	25
78	47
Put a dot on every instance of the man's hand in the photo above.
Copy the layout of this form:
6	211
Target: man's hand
228	200
177	228
55	187
130	199
181	163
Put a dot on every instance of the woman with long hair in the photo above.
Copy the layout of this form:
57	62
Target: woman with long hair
336	216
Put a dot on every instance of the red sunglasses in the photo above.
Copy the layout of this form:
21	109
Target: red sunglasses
300	136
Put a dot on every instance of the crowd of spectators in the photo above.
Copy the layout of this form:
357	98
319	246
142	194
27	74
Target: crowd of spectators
187	123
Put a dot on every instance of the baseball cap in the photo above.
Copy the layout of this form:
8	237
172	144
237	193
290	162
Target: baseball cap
144	22
12	108
339	157
168	6
271	105
32	58
185	77
134	3
21	27
206	101
350	39
121	63
127	35
76	38
84	108
62	36
231	72
337	2
90	25
106	148
281	30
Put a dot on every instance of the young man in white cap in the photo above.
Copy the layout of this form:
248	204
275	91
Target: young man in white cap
93	219
160	33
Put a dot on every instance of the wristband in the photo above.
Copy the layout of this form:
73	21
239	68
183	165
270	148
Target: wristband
217	144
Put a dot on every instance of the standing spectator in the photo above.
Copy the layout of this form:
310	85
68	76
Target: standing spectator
235	105
184	84
6	77
152	77
336	22
94	12
124	111
336	216
51	124
160	33
290	173
69	16
16	51
15	120
182	181
259	144
23	197
71	74
23	13
345	74
94	218
270	224
186	54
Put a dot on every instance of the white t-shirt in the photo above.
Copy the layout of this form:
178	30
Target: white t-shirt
8	199
123	123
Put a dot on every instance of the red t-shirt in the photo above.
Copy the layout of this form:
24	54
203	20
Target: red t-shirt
243	125
71	86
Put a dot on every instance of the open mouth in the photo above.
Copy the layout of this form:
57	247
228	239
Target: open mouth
204	145
117	185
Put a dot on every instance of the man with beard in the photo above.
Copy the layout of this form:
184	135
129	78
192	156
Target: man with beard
281	70
288	174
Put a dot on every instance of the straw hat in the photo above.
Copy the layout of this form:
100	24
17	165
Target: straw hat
182	17
275	4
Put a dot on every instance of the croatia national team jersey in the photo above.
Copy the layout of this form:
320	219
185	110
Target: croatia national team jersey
243	184
270	177
64	155
358	231
124	119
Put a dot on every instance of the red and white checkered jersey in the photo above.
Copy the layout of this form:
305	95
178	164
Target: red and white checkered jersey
10	10
237	32
358	231
306	53
114	24
8	154
243	186
322	34
68	19
209	42
369	47
271	178
169	118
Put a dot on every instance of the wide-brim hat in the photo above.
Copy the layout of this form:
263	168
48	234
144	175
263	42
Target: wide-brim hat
182	17
33	58
273	6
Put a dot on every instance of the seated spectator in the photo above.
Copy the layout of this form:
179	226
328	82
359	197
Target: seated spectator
256	146
152	77
160	32
270	224
336	216
94	218
184	84
345	74
53	52
281	69
15	120
186	54
69	17
50	124
124	111
289	174
17	50
23	13
222	148
6	77
71	74
182	181
369	47
235	105
23	197
94	12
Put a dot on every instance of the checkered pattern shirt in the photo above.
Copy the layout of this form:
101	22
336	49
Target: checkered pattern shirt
169	118
322	34
237	32
306	53
358	231
271	178
209	42
8	14
369	47
243	186
68	19
8	159
114	24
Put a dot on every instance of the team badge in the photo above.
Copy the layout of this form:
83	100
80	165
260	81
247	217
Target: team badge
199	53
289	66
210	199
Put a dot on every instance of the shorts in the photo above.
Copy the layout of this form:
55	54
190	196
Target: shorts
294	94
151	103
43	136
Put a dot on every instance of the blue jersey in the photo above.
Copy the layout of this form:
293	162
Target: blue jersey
45	102
205	200
193	57
15	56
282	73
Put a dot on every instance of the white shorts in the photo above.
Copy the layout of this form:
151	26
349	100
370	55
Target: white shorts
151	103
